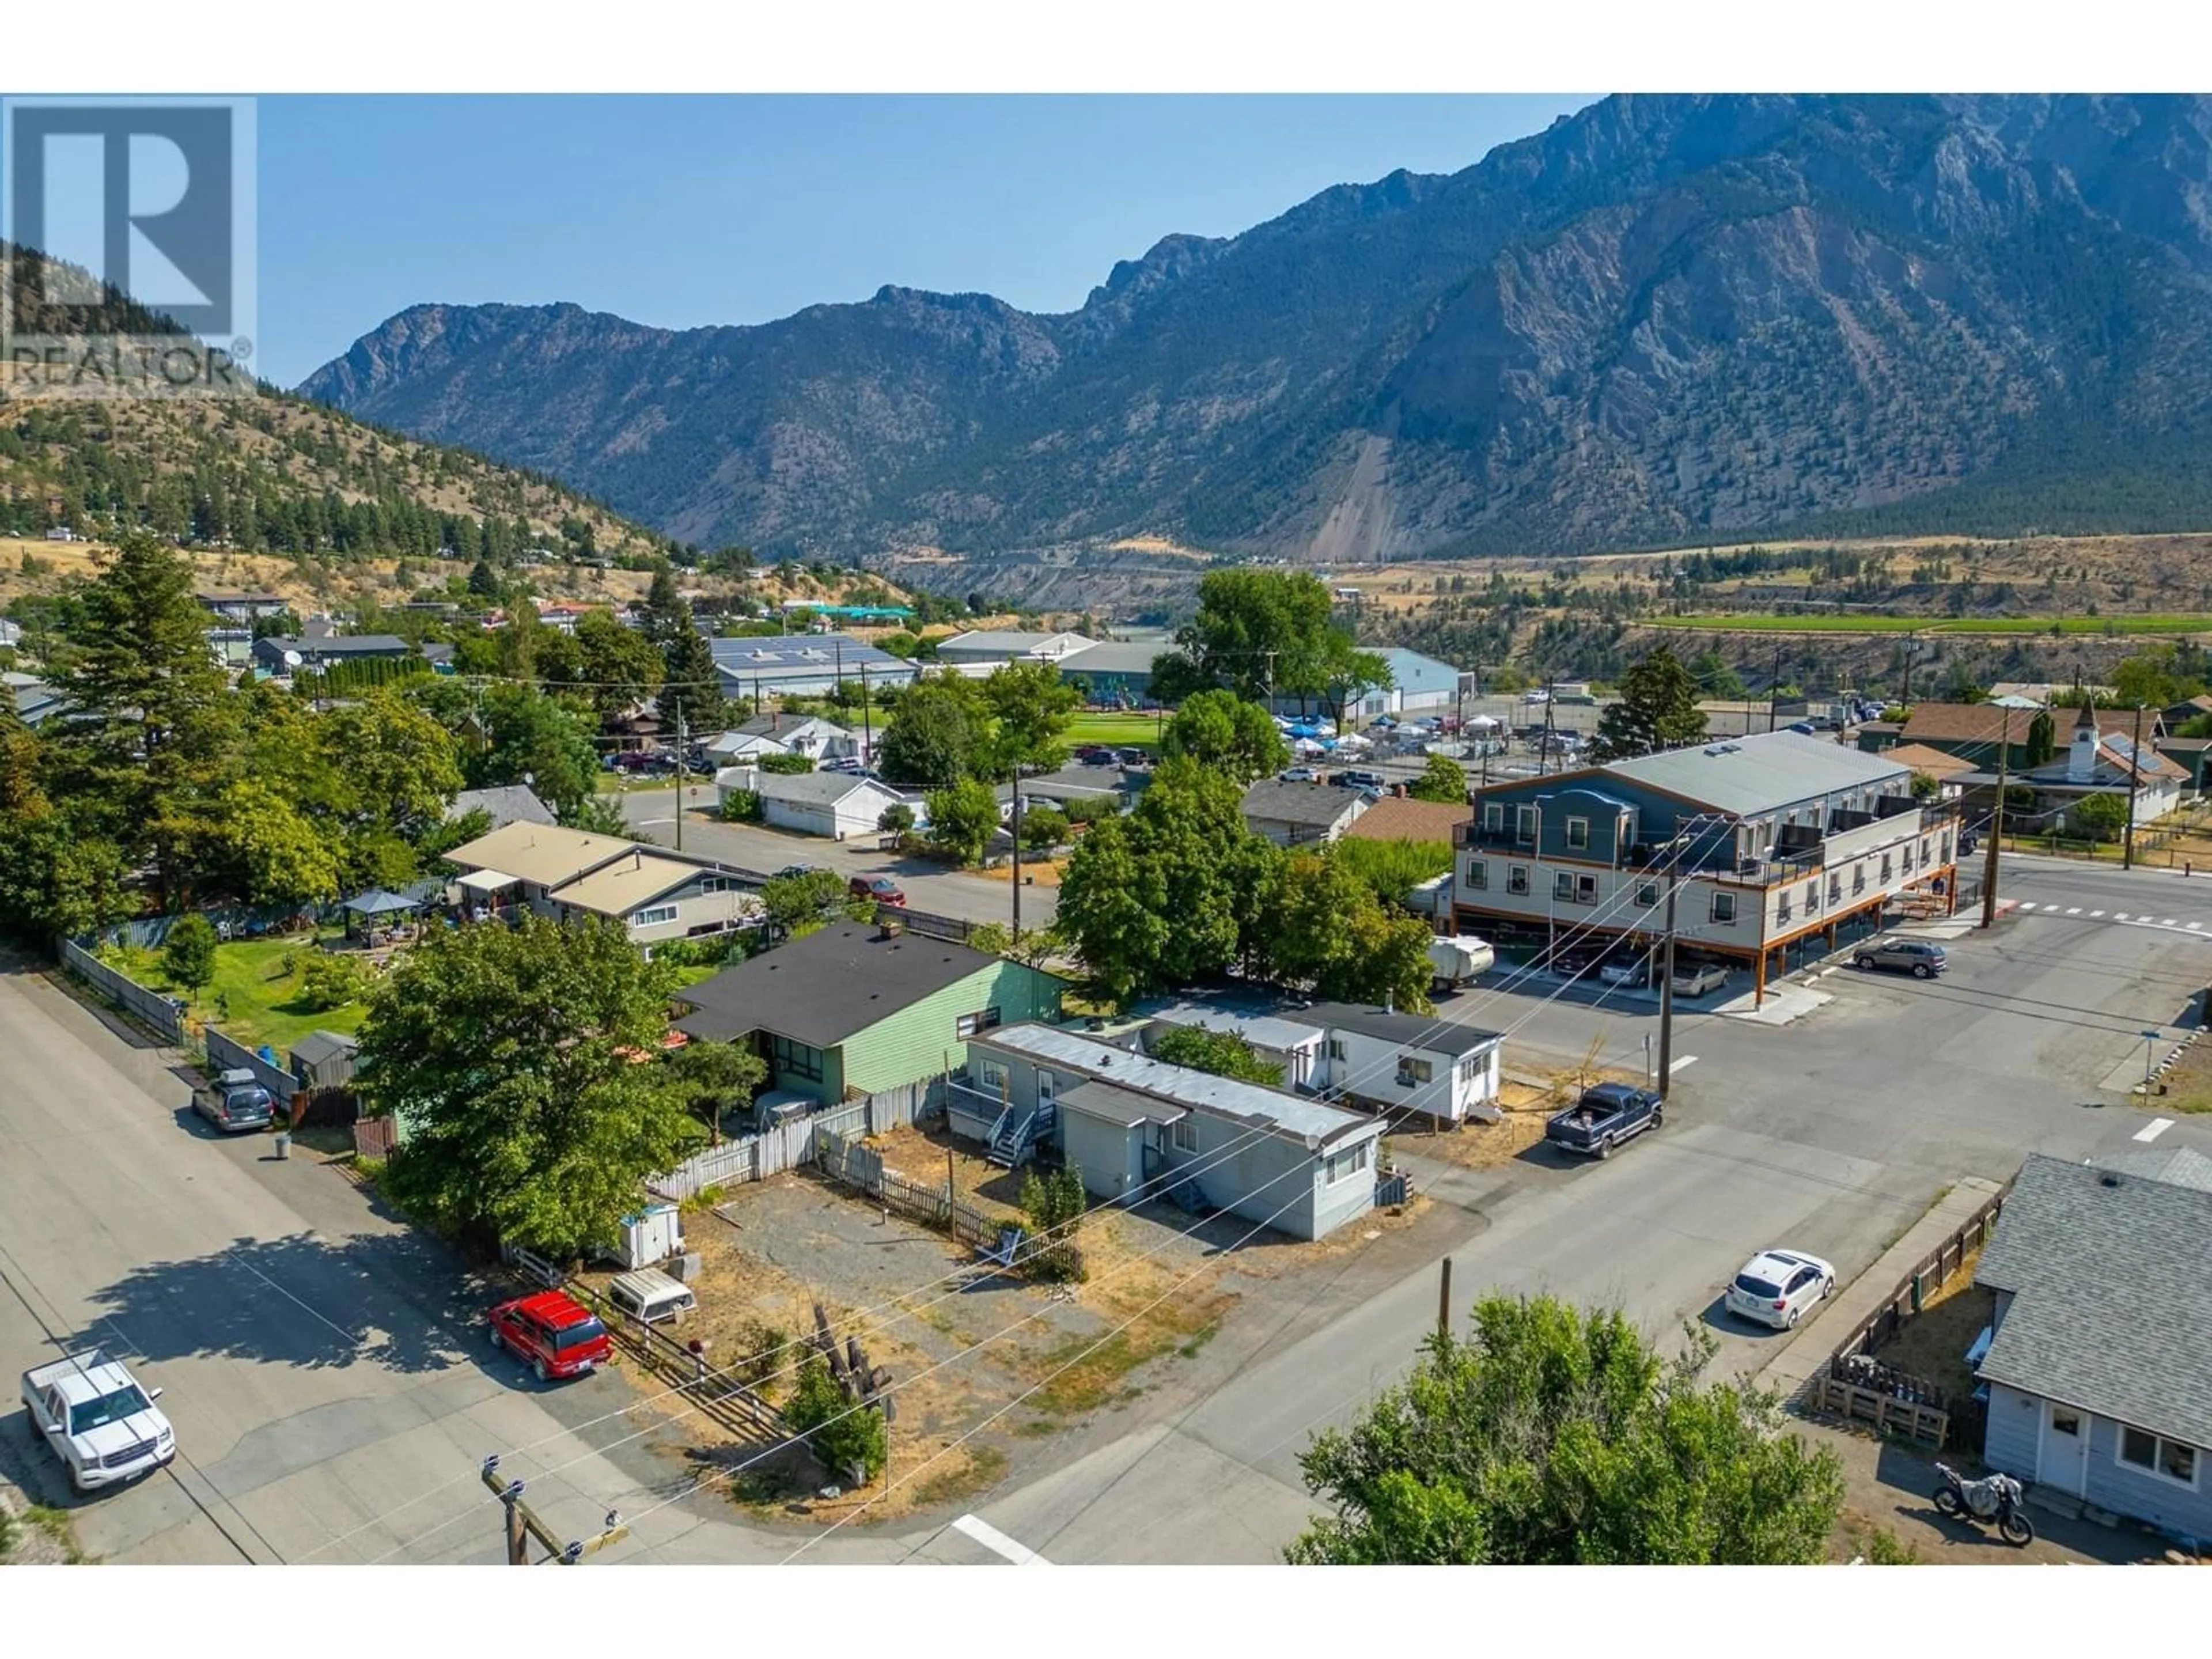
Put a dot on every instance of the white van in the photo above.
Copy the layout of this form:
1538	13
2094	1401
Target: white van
650	1297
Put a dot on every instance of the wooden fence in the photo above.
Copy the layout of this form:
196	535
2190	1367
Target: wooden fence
860	1169
792	1146
165	1014
1852	1384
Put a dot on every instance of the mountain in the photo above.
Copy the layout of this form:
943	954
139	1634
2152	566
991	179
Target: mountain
1663	319
273	473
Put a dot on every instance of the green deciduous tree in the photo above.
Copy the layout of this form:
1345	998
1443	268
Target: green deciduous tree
1054	1204
1258	633
1442	779
716	1078
280	856
57	879
531	737
1225	1053
938	736
1555	1437
188	953
1330	933
1392	869
1715	677
1219	729
1031	708
1658	709
2100	817
509	1052
963	819
799	903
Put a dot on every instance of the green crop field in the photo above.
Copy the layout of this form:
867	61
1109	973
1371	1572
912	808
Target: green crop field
1760	623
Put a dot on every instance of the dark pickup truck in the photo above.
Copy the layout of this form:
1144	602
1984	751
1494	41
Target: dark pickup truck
1604	1117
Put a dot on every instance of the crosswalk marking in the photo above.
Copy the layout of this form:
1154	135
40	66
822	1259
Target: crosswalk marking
2074	910
2166	921
2119	915
2154	1128
998	1543
2096	913
1679	1062
2027	904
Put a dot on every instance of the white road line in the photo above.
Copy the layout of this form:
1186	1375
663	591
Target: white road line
2194	925
2094	915
2074	910
998	1543
1680	1061
2166	921
2119	915
2027	904
2154	1128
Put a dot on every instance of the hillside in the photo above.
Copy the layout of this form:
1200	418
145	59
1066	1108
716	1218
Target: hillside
1663	319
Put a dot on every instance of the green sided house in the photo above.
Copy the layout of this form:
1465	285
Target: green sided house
853	1009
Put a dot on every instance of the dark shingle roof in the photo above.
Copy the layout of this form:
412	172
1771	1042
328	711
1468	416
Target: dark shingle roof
1407	1031
1318	803
317	1047
2112	1307
509	803
825	988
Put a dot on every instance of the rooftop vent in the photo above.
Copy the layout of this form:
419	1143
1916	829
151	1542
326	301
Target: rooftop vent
2108	1179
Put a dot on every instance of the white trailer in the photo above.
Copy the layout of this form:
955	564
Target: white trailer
1459	961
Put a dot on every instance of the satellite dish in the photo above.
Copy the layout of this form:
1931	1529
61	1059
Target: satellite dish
293	659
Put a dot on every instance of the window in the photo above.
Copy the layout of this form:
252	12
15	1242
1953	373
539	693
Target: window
653	916
2141	1449
798	1059
1411	1072
1493	815
1048	1086
1782	911
1647	895
1336	1048
1517	878
1835	889
991	1074
1478	874
1524	824
1947	846
1923	851
1858	879
2065	1422
1724	910
1886	869
1812	896
1182	1133
1563	883
1341	1166
1906	855
1586	890
968	1025
716	884
1577	832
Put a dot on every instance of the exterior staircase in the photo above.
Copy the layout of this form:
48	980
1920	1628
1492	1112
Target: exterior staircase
1015	1136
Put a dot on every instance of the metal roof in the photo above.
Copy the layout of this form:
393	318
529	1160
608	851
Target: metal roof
1319	804
1407	1031
617	889
1114	657
543	854
1752	774
815	788
2112	1308
1280	1033
1304	1120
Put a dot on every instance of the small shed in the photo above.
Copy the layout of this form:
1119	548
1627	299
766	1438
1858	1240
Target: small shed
377	906
324	1060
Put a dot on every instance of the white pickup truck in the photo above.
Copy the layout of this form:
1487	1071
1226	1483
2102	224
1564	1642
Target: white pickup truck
93	1415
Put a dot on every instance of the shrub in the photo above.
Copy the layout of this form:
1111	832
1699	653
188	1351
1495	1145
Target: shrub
1053	1205
741	806
897	818
329	980
844	1436
786	765
188	954
1043	826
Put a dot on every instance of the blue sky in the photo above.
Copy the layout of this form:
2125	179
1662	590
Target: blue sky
683	211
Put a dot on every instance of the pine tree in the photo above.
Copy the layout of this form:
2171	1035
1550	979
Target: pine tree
1658	709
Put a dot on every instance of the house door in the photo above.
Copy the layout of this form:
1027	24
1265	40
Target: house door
1047	1086
2062	1459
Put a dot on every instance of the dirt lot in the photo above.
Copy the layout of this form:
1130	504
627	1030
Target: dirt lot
1933	1344
985	1368
2188	1081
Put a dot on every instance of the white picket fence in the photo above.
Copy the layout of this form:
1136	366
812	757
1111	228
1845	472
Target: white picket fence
790	1145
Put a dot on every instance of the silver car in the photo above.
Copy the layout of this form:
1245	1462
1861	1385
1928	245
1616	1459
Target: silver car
235	1102
1916	956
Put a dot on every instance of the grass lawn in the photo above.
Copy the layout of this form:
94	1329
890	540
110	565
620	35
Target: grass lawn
1121	731
251	981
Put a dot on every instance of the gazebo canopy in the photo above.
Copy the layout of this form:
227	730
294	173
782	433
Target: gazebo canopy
378	902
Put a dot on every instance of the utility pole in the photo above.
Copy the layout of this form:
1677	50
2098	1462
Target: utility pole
683	772
2135	769
1667	978
1774	688
1996	822
1017	882
867	721
521	1523
1550	702
1443	1298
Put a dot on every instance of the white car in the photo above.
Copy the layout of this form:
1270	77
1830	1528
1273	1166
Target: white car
1777	1286
93	1415
1536	696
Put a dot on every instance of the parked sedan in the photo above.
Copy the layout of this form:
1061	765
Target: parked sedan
1698	982
1299	775
1632	974
1777	1286
1916	956
557	1333
882	888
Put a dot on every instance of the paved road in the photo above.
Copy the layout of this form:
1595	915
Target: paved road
320	1378
930	885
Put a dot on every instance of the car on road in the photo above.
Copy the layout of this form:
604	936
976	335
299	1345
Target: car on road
1535	696
1916	956
1606	1114
558	1335
1096	755
234	1103
1699	979
791	870
1299	775
1776	1287
1803	728
1360	779
882	888
91	1414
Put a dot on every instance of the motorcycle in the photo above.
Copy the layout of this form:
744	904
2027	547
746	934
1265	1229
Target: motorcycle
1996	1498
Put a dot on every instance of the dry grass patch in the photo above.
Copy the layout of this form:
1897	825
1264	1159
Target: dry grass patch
1933	1343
